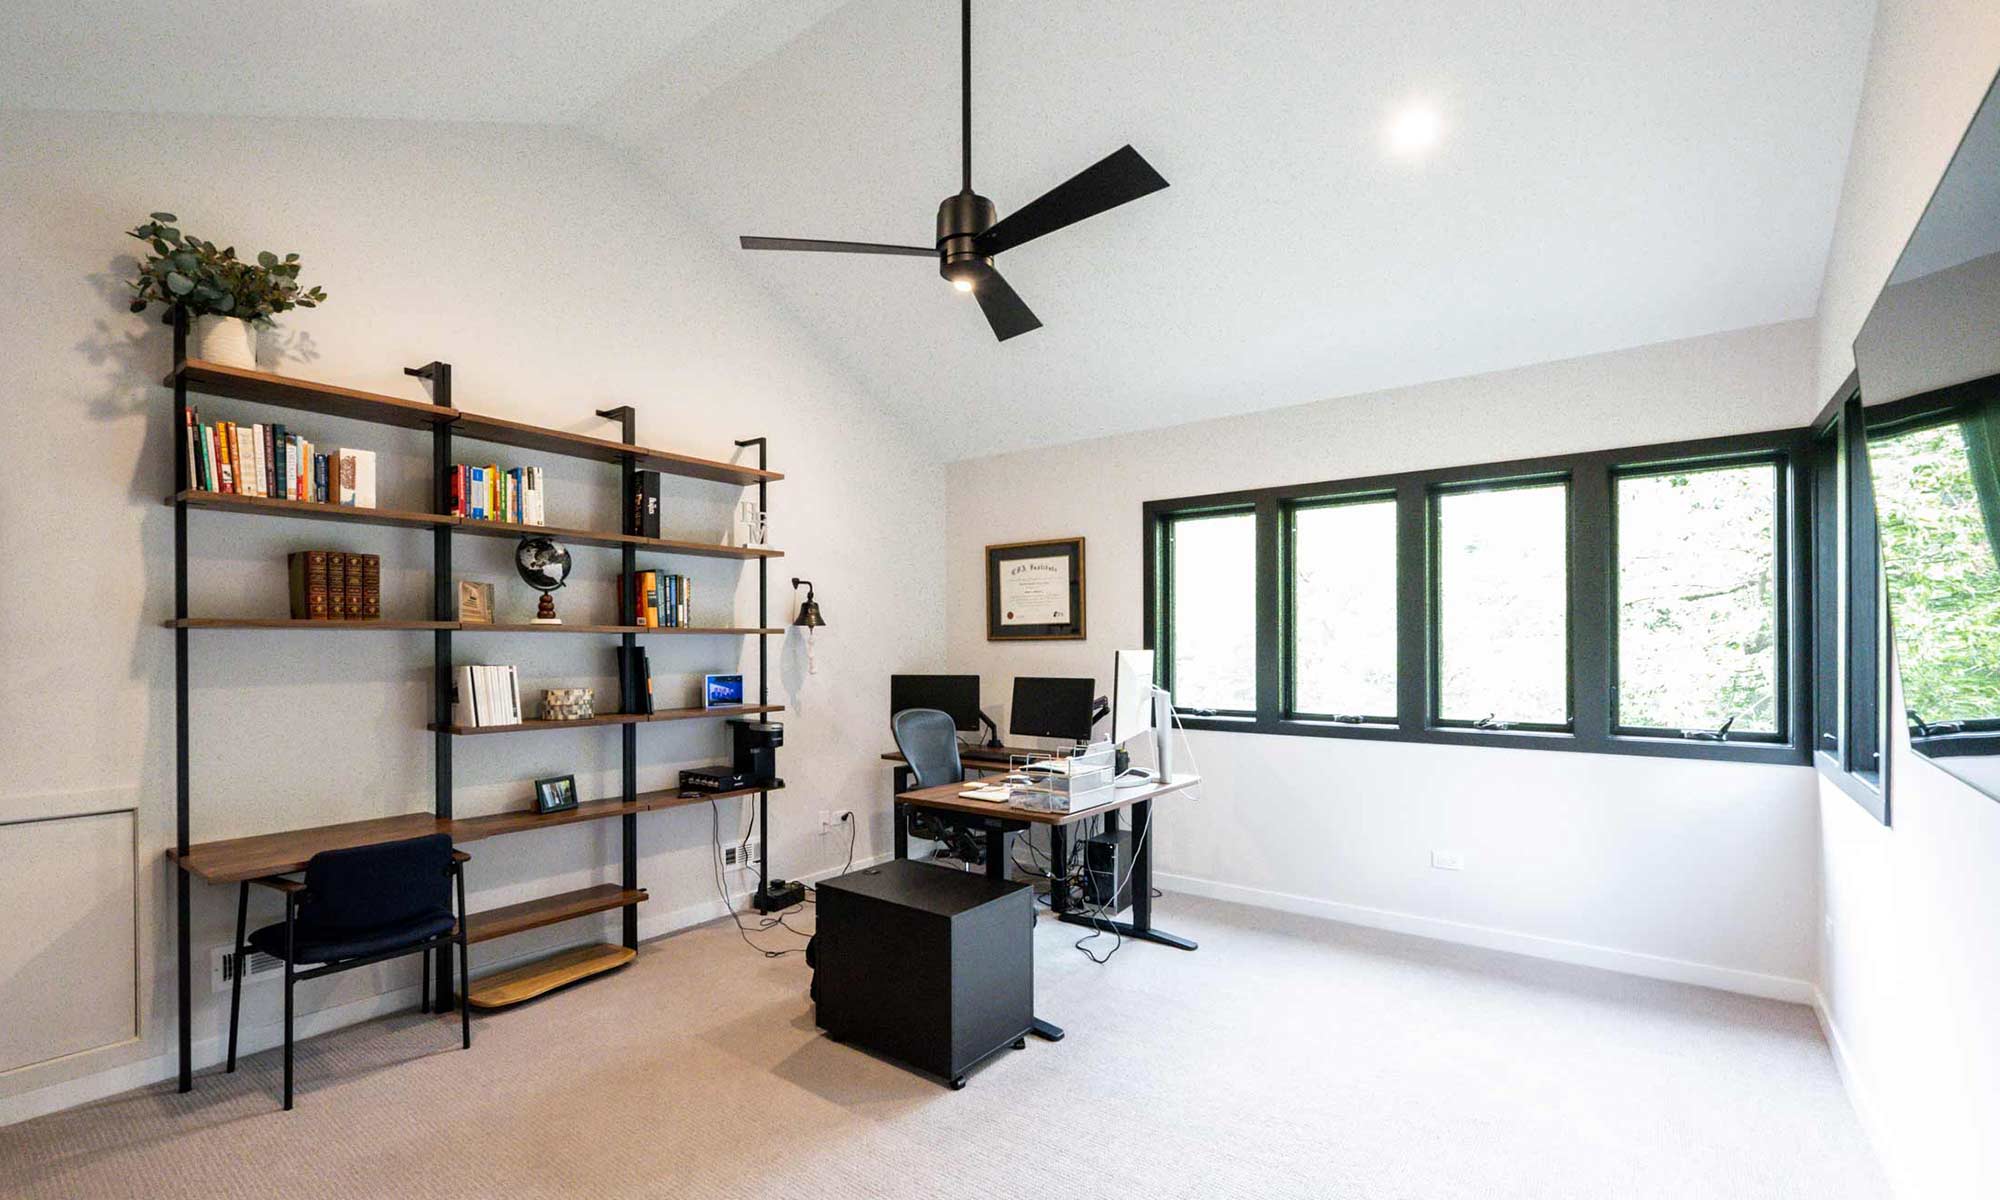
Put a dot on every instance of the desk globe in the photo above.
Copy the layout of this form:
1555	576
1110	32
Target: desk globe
544	566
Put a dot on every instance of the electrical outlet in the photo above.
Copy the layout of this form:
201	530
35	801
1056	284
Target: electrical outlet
1448	860
826	820
844	816
741	856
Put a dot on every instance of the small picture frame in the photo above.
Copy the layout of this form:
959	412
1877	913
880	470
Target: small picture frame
721	691
555	794
475	602
1034	591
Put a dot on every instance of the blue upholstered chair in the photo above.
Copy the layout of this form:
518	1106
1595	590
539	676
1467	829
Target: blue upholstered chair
359	906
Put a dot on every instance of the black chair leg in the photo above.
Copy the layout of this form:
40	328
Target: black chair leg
242	960
291	928
424	997
464	969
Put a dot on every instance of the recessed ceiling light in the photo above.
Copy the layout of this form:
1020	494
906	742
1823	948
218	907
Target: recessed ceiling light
1413	129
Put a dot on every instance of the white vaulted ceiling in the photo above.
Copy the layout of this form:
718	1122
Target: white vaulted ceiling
1609	174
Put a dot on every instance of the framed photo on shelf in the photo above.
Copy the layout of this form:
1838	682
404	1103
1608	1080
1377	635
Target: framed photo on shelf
475	602
555	794
1034	591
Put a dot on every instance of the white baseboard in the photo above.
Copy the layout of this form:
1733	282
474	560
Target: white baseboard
1629	962
251	1039
1858	1094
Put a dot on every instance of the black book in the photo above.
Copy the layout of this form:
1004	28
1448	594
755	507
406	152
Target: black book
644	519
645	682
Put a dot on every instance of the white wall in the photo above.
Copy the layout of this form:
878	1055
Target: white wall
1704	871
1912	977
556	281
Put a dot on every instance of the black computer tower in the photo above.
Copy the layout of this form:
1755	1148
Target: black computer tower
932	967
1107	864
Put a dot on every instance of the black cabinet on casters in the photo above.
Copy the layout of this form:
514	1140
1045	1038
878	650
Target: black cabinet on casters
932	967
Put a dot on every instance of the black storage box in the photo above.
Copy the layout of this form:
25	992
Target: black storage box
929	966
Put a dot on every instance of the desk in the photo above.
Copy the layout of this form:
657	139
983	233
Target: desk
1000	819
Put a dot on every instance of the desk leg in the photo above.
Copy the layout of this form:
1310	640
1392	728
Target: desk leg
899	813
996	853
1058	869
1045	1031
1141	925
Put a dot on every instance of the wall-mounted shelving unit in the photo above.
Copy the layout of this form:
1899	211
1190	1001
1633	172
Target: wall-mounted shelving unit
236	860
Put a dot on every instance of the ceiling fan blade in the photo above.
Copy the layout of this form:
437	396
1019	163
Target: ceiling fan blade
1005	310
764	243
1119	177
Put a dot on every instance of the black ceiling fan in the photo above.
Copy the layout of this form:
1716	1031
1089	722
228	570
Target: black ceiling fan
969	236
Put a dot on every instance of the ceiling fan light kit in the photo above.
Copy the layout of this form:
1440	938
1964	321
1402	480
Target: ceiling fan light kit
969	232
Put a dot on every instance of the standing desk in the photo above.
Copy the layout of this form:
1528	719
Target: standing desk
1001	819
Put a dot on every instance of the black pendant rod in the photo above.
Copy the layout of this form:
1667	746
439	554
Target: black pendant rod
965	87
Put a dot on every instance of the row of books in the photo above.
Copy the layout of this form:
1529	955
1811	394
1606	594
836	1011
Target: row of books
660	600
489	493
635	681
485	695
643	515
272	461
332	585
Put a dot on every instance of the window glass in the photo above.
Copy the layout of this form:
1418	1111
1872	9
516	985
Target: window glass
1212	569
1697	599
1502	620
1935	518
1344	609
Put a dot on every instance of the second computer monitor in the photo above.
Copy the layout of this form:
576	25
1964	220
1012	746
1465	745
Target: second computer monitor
1052	707
955	694
1131	694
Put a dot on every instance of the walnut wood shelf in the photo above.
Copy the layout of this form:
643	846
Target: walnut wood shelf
720	631
578	445
236	859
291	623
614	541
665	714
242	858
306	395
268	506
516	984
549	910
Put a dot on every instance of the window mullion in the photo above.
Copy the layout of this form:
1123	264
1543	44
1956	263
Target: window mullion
1271	574
1413	615
1593	611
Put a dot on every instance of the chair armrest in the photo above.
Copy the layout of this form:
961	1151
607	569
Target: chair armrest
279	883
460	856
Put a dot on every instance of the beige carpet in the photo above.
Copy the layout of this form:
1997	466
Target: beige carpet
1287	1058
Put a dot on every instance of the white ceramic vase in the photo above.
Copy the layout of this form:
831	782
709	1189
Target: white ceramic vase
228	341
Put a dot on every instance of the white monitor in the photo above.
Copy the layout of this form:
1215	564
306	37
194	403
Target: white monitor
1131	695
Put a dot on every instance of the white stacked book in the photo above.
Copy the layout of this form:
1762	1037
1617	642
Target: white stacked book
485	695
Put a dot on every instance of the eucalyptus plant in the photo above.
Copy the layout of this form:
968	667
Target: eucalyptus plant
184	272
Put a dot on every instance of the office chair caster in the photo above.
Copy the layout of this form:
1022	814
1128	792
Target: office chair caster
958	1083
1020	1043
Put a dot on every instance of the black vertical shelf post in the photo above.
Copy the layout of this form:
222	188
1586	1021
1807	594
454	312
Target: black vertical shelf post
184	983
443	608
628	563
763	899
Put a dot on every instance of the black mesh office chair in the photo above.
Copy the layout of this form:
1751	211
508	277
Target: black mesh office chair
359	906
929	743
928	740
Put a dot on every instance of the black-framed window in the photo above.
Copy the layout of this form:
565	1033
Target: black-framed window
1209	613
1701	630
1340	608
1500	606
1849	673
1439	678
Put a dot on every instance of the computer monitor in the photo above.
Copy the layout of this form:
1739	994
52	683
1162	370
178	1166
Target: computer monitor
955	694
1131	694
1052	707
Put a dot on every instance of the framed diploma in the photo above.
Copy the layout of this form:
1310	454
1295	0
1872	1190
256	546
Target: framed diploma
1034	590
